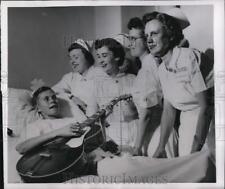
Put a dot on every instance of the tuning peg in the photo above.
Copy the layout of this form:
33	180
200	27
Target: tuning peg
76	124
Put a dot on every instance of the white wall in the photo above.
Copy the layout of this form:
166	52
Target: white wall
107	21
39	37
38	42
200	32
129	12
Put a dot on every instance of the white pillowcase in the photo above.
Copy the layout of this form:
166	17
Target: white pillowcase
21	112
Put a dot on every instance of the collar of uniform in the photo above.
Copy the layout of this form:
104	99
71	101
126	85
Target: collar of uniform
84	75
143	56
81	77
157	61
119	75
172	61
167	57
149	59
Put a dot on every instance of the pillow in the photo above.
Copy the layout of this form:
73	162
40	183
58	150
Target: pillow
19	105
21	112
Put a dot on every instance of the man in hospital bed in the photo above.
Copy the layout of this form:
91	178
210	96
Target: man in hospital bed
192	168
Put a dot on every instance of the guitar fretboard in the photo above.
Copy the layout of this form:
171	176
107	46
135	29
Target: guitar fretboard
92	119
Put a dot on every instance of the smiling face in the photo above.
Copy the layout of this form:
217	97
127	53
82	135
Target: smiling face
107	60
47	104
78	61
157	39
137	42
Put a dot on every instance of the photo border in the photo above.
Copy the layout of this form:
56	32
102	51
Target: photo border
219	74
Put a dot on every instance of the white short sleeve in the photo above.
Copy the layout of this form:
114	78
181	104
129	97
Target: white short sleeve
64	85
31	130
197	81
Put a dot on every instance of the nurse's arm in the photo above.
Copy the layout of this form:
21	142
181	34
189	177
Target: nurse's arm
202	124
167	123
144	121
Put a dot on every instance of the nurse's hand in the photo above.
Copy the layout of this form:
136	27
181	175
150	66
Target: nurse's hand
196	145
160	153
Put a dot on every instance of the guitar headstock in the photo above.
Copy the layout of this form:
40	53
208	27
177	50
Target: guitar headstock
124	97
120	98
106	111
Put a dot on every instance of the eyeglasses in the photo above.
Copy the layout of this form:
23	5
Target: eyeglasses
134	39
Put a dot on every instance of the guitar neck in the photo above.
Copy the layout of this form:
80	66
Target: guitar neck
92	119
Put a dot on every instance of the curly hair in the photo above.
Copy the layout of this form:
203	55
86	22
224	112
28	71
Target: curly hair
135	23
170	24
112	45
88	56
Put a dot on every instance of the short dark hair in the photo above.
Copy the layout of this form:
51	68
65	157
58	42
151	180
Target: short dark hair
88	56
171	25
114	46
136	23
37	92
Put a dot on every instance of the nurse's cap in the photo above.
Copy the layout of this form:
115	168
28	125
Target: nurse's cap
83	44
178	15
123	39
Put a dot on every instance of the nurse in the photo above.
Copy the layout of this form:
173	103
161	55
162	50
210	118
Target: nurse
76	84
121	126
182	83
146	93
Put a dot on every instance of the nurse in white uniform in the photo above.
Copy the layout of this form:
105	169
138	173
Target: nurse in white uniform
76	84
147	93
182	83
122	127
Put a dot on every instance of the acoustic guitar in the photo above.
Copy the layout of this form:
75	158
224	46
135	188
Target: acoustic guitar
63	159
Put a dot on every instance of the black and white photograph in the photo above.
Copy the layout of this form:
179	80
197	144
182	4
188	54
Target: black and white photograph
112	92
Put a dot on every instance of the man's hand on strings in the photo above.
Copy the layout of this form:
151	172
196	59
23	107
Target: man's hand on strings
71	130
